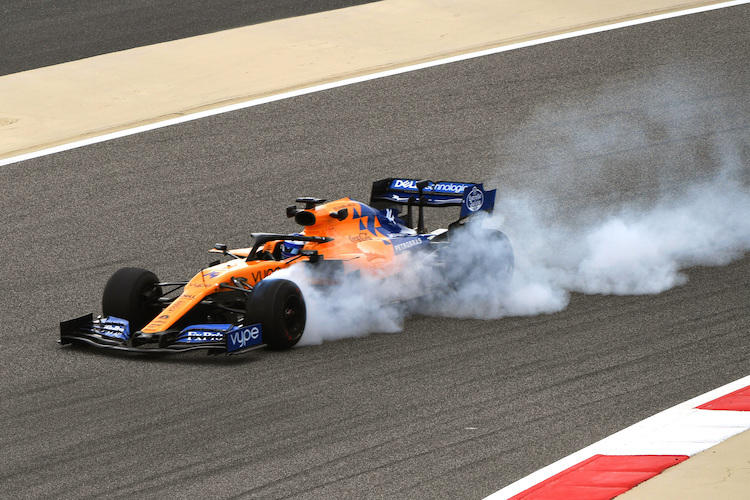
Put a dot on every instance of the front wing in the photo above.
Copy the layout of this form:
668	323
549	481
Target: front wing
114	333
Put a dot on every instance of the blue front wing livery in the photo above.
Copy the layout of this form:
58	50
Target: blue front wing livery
114	333
242	338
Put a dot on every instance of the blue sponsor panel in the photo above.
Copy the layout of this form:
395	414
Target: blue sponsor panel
200	334
112	328
435	194
445	188
243	337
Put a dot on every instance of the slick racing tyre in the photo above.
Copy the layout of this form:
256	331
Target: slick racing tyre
502	253
131	293
479	255
279	307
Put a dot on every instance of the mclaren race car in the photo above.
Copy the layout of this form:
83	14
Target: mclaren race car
238	305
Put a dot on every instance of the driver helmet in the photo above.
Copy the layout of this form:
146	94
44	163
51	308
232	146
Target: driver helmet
291	248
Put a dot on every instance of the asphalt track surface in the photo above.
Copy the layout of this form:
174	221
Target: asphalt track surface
37	33
447	408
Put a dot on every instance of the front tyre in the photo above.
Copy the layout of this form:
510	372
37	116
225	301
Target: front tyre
278	305
131	293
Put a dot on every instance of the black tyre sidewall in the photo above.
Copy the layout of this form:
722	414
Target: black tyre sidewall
267	305
126	296
493	245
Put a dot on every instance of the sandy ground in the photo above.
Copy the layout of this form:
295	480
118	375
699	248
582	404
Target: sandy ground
719	472
72	101
81	99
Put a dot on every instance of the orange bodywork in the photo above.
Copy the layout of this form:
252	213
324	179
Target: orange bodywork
356	241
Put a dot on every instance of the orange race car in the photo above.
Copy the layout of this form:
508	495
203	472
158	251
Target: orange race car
234	306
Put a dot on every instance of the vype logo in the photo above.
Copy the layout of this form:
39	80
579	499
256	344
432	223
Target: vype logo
243	337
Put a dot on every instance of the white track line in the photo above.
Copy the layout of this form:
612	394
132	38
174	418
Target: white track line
351	81
680	430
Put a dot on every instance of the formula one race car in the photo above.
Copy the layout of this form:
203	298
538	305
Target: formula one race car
234	306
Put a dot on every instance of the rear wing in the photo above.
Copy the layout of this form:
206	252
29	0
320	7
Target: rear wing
470	196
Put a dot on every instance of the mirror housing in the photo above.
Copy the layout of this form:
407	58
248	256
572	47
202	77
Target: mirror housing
340	215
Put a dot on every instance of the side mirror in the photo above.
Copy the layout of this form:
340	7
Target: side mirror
222	247
340	215
291	211
313	255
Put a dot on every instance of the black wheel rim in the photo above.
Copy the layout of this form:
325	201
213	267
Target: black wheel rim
292	315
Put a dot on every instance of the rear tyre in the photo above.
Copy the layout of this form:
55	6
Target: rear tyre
131	293
278	305
479	255
501	252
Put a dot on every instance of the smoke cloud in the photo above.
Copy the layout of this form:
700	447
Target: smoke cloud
619	201
631	252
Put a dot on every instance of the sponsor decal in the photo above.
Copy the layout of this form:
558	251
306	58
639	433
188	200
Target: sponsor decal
203	333
113	328
412	242
243	337
176	304
404	184
259	275
200	336
356	238
451	188
475	199
212	274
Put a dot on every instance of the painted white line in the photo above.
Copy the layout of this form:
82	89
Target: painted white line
680	430
364	78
